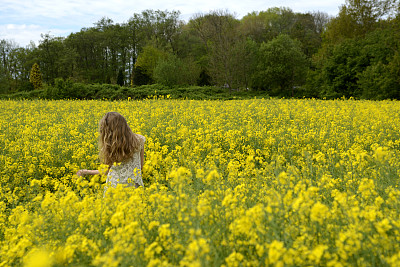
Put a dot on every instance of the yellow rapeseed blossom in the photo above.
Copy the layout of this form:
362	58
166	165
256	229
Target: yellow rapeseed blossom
319	212
38	258
261	182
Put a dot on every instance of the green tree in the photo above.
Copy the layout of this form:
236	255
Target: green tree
379	81
15	66
36	77
90	56
189	45
139	76
120	78
341	68
305	30
56	58
160	27
266	25
204	78
244	58
101	51
175	71
4	86
366	13
282	66
358	67
218	31
255	26
148	59
168	71
5	70
357	18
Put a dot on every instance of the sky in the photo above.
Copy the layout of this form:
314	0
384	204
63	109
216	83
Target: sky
23	21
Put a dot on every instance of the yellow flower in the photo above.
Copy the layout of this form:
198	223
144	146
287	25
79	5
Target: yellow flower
38	258
319	212
317	252
153	224
383	226
234	259
164	231
221	178
381	153
275	251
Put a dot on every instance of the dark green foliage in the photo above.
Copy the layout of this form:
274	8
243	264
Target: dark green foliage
15	66
204	79
169	72
380	78
380	81
341	69
120	78
174	71
359	67
63	89
26	86
4	81
266	25
140	77
56	57
282	66
34	94
220	34
149	58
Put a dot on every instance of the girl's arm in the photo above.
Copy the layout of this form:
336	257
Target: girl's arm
87	172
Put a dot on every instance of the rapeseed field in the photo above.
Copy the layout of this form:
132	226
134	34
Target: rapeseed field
260	182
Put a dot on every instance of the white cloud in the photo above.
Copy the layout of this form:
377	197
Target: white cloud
331	7
23	34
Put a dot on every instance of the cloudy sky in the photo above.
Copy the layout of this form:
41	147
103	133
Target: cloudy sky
24	20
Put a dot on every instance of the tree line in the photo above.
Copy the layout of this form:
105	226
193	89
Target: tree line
277	51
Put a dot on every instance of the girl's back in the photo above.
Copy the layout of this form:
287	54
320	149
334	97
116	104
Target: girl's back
129	172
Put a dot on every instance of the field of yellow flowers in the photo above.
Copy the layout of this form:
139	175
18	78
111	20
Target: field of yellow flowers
260	182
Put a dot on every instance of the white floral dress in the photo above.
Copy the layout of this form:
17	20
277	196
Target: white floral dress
127	173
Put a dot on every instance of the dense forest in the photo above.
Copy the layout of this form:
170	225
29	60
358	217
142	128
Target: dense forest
277	51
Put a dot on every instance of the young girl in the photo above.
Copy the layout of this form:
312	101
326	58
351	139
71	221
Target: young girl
120	149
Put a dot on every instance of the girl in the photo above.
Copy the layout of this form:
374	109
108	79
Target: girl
120	149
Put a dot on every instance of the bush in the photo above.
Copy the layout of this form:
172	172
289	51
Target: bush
60	90
66	89
34	94
26	86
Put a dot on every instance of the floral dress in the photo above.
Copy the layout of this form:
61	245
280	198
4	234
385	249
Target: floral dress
129	172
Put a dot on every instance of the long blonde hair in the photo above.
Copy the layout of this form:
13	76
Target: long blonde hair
117	142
